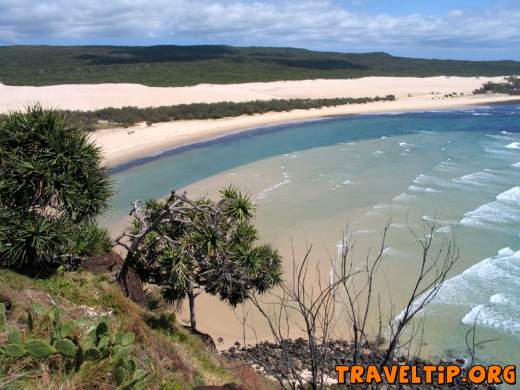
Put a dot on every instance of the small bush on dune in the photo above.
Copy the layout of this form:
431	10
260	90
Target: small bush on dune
52	186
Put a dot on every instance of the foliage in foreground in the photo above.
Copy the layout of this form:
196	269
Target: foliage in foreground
52	186
128	116
70	344
171	357
184	246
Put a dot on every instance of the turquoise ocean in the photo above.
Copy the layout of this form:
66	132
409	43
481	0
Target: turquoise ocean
312	180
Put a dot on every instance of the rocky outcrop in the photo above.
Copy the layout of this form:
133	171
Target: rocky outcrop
338	352
101	264
131	284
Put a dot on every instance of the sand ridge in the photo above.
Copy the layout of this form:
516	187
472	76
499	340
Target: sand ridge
121	145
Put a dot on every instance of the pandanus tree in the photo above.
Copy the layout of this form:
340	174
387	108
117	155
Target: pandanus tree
187	246
52	186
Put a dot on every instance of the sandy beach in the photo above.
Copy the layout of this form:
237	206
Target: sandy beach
122	145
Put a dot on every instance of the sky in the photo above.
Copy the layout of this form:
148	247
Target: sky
458	29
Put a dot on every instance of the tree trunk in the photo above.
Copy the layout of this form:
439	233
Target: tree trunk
191	300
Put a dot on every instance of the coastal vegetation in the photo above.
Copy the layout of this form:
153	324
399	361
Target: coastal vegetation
62	325
128	116
90	329
510	87
191	65
52	187
184	247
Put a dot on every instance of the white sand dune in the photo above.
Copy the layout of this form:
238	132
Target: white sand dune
121	145
95	96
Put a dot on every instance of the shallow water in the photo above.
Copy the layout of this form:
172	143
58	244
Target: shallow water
461	168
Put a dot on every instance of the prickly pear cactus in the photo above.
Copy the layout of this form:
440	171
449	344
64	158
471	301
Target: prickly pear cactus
99	343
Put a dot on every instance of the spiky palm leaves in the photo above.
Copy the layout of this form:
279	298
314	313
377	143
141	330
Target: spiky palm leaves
211	245
51	180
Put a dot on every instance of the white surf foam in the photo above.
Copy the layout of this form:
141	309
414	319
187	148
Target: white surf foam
443	230
511	196
489	290
513	145
500	137
426	180
480	178
489	316
491	214
446	166
429	218
515	165
392	252
404	197
498	299
396	225
291	156
421	189
262	194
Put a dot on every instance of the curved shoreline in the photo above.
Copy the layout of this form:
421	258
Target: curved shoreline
124	148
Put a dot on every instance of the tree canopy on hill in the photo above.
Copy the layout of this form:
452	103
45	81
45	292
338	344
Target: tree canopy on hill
190	65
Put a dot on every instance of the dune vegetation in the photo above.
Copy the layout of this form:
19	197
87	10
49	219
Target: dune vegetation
510	87
128	116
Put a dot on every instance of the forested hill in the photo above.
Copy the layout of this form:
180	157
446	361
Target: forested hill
190	65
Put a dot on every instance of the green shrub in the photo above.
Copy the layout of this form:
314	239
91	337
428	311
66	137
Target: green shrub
510	87
66	340
51	180
127	116
88	239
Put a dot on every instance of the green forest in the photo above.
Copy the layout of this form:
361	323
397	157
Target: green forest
191	65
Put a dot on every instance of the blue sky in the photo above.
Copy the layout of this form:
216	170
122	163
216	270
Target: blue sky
461	29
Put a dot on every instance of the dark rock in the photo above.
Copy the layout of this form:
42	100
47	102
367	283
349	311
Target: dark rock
206	338
103	263
133	287
131	284
6	301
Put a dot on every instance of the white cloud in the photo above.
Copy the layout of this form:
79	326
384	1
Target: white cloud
307	23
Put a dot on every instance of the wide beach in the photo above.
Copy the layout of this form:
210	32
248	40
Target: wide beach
121	145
